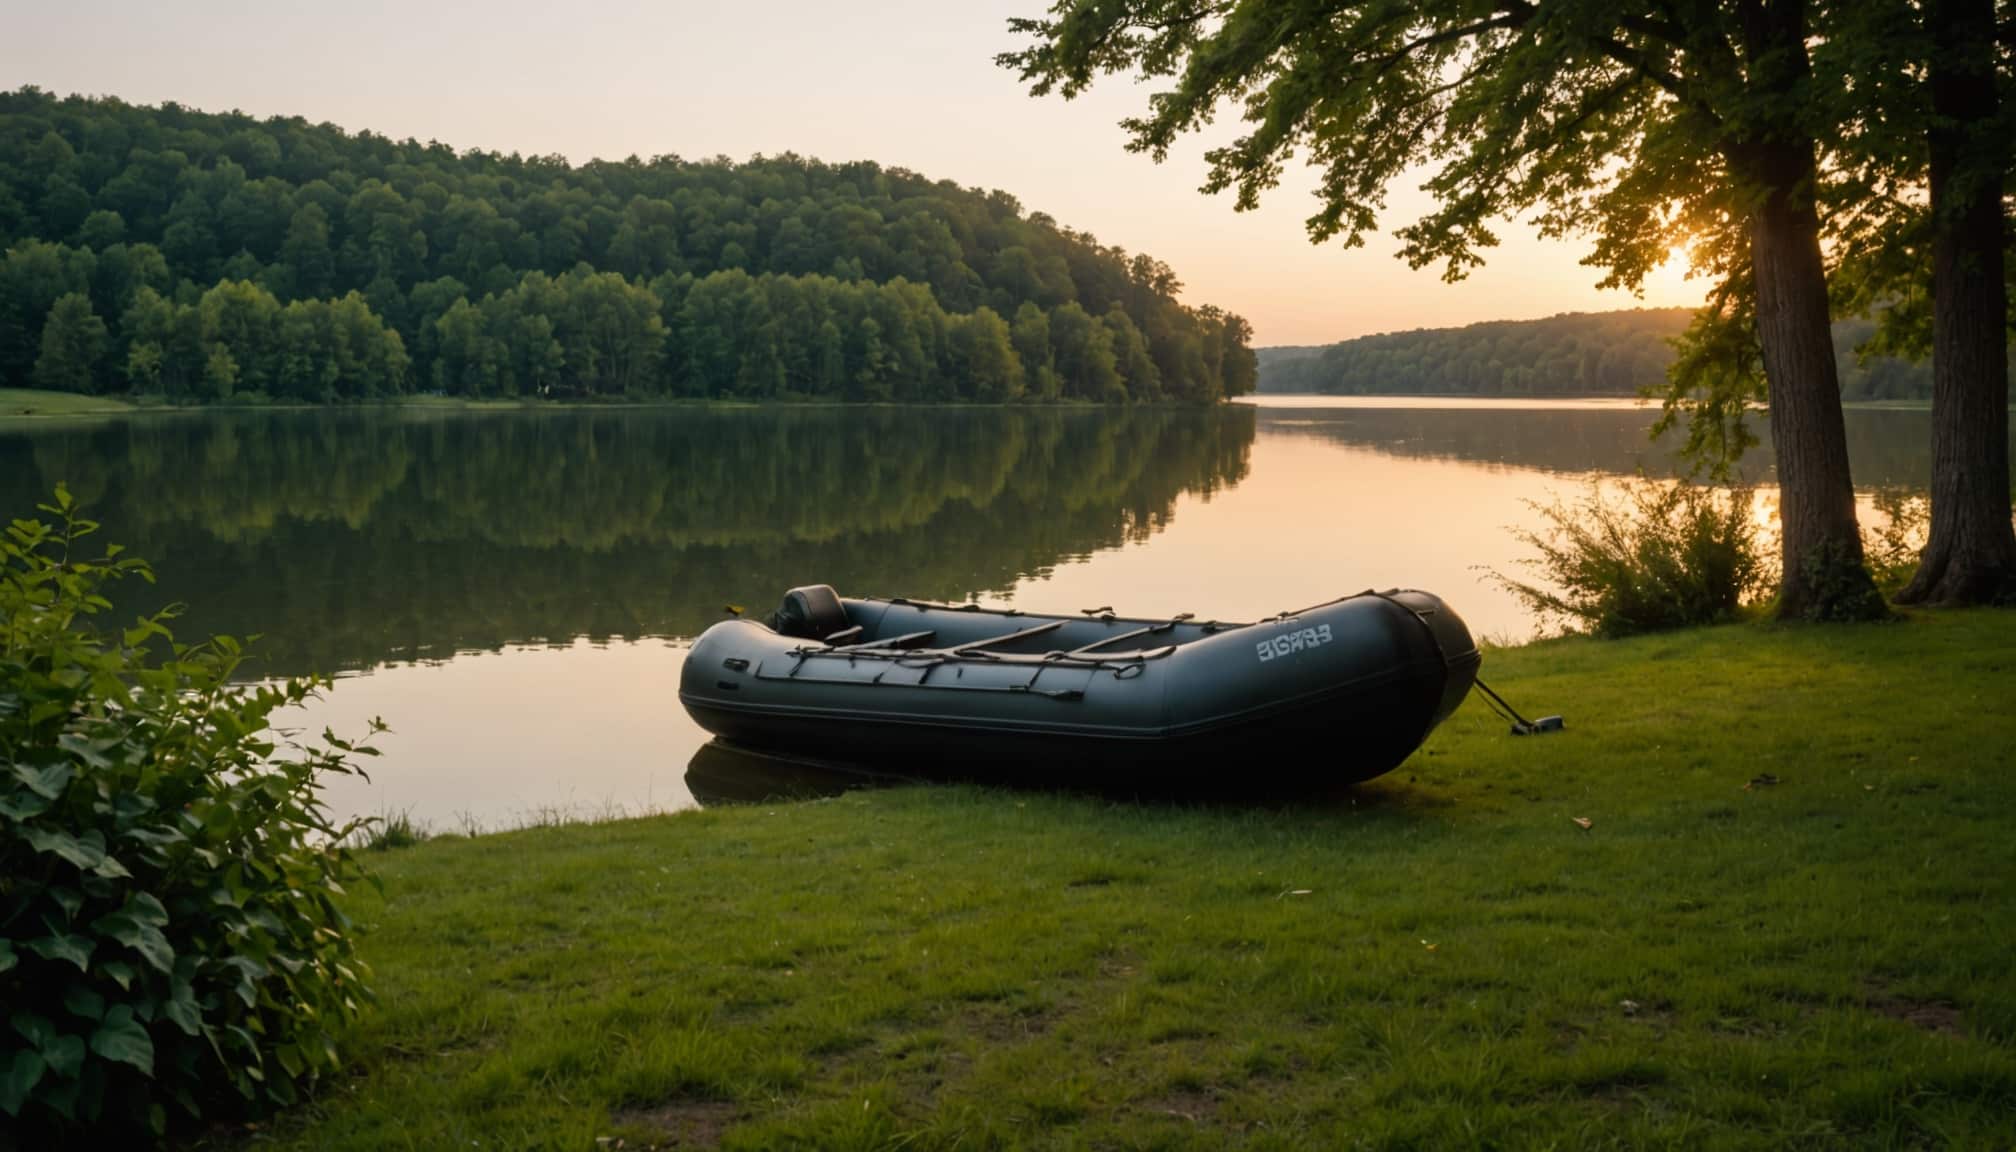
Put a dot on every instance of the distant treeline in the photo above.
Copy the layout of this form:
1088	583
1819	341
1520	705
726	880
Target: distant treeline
201	257
1574	354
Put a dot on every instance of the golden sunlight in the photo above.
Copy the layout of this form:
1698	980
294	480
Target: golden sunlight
1668	285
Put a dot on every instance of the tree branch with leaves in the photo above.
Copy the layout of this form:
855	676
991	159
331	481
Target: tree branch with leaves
1642	126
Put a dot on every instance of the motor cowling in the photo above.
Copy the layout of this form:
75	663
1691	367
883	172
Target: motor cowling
812	612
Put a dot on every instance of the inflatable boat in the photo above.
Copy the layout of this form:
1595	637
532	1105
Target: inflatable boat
1342	691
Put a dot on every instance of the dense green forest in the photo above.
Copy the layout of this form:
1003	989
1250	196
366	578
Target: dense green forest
1574	354
197	256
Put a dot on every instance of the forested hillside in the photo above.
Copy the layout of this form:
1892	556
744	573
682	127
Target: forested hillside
1573	354
200	256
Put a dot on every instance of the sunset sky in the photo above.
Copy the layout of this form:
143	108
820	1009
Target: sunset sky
908	83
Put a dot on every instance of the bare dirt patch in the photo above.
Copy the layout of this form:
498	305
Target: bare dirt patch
1939	1017
1934	1016
1196	1107
1010	1026
673	1124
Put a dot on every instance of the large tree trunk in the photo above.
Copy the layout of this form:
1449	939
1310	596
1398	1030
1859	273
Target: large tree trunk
1971	557
1773	158
1824	577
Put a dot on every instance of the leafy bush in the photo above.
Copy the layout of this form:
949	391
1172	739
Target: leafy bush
169	942
1891	548
1663	556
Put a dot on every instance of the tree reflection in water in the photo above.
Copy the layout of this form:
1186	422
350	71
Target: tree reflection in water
350	539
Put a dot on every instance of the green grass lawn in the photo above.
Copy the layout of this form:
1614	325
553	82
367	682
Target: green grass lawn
20	402
1443	958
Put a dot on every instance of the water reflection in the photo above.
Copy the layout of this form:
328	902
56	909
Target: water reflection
508	589
352	540
1887	447
721	774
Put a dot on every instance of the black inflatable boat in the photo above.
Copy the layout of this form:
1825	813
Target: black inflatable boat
1341	691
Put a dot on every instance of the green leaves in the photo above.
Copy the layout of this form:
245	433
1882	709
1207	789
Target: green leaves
17	1077
250	973
49	1050
92	752
37	1030
182	1010
142	960
23	806
85	852
47	781
64	1055
121	1038
65	946
146	908
83	1000
138	934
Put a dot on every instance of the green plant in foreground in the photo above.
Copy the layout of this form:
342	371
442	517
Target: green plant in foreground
1672	555
169	942
1893	544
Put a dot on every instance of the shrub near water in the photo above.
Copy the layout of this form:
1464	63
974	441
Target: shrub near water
168	942
1892	544
1663	556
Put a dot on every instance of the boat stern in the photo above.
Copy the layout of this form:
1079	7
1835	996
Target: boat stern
1460	658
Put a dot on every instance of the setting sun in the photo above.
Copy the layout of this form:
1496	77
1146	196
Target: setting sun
1670	286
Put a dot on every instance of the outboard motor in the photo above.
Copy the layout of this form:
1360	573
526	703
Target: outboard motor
813	612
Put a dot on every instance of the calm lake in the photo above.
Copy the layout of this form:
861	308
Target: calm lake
512	590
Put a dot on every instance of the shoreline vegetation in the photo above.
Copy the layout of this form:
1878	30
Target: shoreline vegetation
17	403
201	256
41	402
31	405
34	404
1736	946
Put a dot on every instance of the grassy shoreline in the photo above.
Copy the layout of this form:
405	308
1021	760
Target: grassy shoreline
25	405
19	406
35	404
1788	924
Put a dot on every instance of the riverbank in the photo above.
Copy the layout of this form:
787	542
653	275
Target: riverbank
32	403
27	405
1786	921
22	405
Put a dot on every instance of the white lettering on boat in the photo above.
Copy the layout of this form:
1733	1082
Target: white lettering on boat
1288	643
